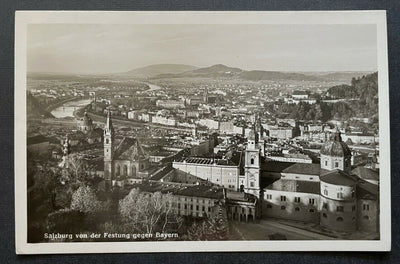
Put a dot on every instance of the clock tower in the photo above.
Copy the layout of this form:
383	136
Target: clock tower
252	165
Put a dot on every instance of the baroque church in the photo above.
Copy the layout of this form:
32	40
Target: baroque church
125	163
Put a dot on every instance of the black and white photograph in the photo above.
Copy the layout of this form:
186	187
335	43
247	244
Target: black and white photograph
201	131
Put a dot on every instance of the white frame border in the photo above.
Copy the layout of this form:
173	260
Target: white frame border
23	18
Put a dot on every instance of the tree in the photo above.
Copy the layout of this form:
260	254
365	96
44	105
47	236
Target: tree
84	200
214	228
149	212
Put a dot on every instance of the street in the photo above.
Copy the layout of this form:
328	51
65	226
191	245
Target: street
263	228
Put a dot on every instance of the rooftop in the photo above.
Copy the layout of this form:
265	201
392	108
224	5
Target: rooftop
304	168
177	189
207	161
275	166
366	173
338	177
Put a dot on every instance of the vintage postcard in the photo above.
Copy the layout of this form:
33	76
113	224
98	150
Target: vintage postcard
201	131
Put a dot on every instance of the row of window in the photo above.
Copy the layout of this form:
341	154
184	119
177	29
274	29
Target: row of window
341	209
296	199
297	209
203	208
339	195
196	200
340	219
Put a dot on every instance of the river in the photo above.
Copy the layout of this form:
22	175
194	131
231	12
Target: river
67	109
153	87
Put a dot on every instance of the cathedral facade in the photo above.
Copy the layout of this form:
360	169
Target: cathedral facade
124	163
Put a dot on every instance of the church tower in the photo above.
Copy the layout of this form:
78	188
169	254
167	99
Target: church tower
108	151
335	154
205	95
252	165
259	129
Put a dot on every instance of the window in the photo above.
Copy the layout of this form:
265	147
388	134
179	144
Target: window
325	192
339	219
197	207
326	163
366	207
191	207
336	164
311	210
185	206
269	196
203	208
353	208
366	217
325	205
252	161
352	194
339	209
283	207
311	201
297	199
324	215
297	209
251	184
339	195
179	206
269	206
107	141
283	198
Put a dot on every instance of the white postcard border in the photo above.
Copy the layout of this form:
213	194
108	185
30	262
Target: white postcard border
23	18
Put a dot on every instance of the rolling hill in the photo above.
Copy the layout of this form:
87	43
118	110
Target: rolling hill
157	69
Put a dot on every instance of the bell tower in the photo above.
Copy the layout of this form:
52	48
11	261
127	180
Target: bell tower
252	165
108	150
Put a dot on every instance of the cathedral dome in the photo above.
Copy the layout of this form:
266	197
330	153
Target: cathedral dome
336	147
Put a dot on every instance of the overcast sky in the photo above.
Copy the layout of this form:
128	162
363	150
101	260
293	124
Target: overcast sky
118	48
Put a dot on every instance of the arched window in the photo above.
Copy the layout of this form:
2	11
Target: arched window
133	168
252	161
125	170
325	192
117	170
339	219
107	141
339	195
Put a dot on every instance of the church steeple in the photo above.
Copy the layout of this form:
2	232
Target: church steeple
108	150
205	95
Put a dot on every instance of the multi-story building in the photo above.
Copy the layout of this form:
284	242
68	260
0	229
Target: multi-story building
329	193
222	172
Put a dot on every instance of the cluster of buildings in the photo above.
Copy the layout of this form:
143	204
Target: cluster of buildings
332	193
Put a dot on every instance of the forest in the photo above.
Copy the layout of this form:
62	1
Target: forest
360	99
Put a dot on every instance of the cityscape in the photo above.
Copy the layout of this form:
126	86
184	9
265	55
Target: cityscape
182	152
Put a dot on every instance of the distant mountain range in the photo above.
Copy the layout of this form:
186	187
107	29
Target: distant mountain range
220	71
161	71
158	69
